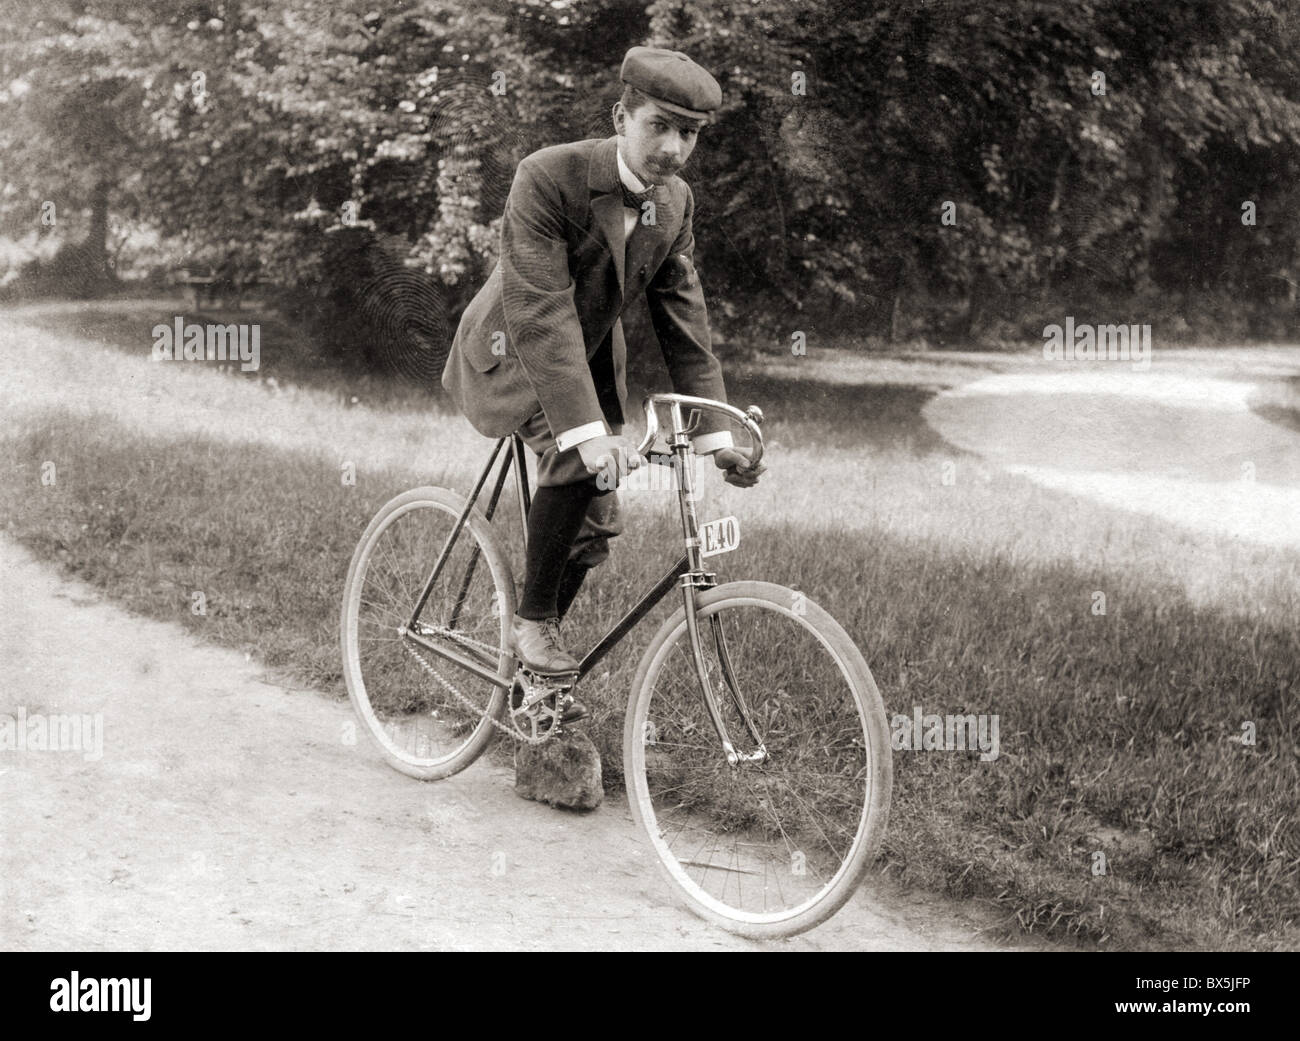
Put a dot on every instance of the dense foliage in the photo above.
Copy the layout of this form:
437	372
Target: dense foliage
1088	151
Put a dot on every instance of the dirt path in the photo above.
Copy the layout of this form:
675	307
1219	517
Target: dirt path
1179	442
227	811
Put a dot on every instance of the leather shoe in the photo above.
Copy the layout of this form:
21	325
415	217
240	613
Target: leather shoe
574	711
539	647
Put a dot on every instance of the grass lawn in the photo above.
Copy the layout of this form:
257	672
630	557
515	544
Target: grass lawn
968	590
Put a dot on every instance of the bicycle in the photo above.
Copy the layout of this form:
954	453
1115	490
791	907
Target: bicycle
753	721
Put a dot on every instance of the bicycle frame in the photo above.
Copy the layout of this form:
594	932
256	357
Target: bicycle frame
688	572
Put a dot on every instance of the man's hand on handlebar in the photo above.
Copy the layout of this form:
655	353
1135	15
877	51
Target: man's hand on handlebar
735	463
610	458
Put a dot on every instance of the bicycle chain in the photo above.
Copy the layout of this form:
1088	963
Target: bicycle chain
512	731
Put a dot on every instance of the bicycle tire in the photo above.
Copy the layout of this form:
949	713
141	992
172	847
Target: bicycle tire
878	771
478	528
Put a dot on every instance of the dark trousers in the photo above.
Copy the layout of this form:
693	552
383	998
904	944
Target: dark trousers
557	561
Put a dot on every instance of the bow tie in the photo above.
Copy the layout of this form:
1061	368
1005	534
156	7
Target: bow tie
633	200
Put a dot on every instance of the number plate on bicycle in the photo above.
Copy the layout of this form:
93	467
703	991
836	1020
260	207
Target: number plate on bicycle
719	536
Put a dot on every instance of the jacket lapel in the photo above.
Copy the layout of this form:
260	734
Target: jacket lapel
608	210
607	207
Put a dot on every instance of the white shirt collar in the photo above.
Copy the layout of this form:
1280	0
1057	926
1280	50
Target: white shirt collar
626	175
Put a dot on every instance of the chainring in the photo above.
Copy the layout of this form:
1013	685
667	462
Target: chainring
535	708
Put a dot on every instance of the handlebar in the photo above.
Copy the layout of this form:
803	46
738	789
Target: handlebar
749	419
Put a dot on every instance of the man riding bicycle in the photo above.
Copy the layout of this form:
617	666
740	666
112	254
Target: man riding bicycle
540	348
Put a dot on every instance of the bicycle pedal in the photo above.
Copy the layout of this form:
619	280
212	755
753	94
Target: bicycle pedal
569	675
551	682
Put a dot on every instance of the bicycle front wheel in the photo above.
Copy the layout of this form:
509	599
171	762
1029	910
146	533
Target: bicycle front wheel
776	842
429	716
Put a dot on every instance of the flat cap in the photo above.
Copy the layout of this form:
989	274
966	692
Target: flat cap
673	80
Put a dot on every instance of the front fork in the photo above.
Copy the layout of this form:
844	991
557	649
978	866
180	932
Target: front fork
729	677
694	578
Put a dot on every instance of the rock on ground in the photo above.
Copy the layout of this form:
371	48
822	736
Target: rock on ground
563	772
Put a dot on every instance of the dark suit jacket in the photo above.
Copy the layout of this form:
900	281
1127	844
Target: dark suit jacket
558	290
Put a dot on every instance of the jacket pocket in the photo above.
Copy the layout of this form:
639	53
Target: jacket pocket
486	349
484	360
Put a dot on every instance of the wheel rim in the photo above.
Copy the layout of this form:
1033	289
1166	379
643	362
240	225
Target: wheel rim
764	843
412	715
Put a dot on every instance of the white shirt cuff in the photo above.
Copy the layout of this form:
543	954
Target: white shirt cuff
571	438
708	443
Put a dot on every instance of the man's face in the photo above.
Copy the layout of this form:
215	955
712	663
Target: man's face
656	142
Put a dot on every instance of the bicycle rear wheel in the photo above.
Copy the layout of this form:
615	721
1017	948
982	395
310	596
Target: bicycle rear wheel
772	847
407	696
